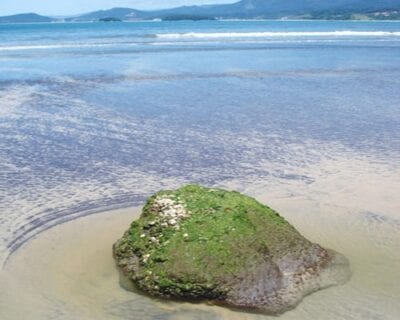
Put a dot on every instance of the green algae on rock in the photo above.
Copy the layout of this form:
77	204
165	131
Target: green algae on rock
197	243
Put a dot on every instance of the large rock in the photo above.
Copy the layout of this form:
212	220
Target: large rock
197	243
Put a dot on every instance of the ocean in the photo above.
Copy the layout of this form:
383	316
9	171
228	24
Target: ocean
302	115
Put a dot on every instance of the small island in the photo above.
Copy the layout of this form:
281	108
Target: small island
110	19
187	17
201	244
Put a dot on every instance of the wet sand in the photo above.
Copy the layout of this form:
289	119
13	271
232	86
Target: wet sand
68	272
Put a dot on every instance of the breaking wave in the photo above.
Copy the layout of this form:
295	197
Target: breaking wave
241	35
59	46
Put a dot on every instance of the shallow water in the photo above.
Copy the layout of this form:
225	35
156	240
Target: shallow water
97	116
68	272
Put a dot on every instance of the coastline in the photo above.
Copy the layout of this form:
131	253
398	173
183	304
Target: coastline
199	21
34	230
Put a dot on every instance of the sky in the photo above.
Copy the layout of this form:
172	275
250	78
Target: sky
68	7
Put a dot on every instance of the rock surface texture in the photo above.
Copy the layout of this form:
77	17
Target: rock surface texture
196	243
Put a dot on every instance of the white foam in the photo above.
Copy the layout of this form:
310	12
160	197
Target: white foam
199	36
59	46
241	35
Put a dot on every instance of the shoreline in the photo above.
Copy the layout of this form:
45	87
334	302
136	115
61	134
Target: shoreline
19	242
52	257
197	21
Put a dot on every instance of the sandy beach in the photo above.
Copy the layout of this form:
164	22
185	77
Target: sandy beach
68	271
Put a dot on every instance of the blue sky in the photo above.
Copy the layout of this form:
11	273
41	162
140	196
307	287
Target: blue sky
63	7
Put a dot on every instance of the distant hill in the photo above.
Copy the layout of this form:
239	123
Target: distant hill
245	9
252	9
116	13
25	18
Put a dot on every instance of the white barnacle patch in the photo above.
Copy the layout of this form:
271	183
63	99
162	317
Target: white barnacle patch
170	210
146	257
172	222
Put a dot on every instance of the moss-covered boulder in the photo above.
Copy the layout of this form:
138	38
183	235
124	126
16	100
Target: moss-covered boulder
197	243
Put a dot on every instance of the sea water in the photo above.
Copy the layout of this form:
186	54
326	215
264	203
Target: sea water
303	115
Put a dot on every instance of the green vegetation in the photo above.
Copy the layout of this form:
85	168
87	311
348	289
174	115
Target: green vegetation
197	243
200	250
110	19
179	17
351	15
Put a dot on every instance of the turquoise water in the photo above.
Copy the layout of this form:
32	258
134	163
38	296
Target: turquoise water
102	49
88	112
